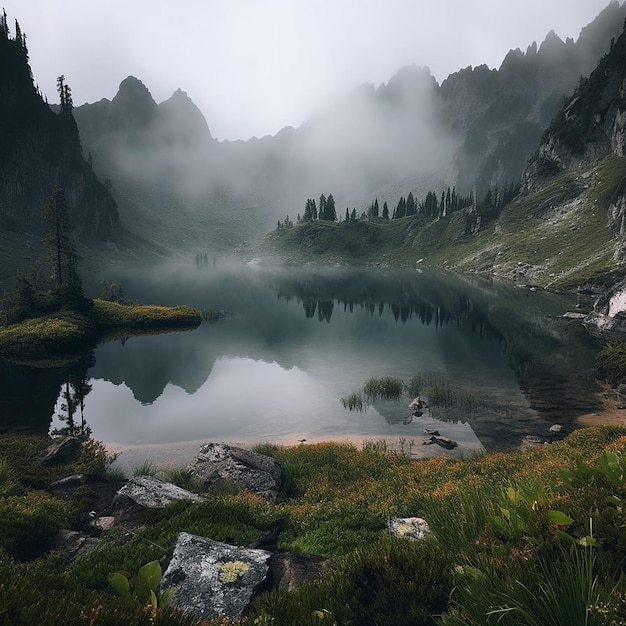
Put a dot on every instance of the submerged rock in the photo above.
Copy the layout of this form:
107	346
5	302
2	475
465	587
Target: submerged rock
219	464
444	442
211	578
152	493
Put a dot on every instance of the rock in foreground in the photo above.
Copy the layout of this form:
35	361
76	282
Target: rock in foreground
211	578
218	464
152	493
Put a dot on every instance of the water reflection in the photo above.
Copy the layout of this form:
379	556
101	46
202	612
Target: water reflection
299	339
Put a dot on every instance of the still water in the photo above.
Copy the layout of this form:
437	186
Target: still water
294	341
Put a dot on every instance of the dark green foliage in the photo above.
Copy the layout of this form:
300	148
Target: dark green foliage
37	594
63	252
20	304
611	361
392	582
29	522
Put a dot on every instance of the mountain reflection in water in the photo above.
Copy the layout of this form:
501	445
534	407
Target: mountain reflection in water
299	339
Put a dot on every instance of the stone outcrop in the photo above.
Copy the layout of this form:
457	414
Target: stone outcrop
152	493
609	314
62	451
218	464
590	126
211	578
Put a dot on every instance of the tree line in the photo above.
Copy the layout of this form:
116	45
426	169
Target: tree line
433	205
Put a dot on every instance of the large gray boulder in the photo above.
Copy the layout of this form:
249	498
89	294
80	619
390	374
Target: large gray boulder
152	493
211	578
218	464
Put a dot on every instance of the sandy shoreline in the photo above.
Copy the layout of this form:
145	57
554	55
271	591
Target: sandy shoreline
610	411
183	452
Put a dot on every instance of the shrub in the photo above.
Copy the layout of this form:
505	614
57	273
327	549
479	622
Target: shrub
394	581
29	522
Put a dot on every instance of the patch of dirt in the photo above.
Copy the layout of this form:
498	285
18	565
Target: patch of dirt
612	409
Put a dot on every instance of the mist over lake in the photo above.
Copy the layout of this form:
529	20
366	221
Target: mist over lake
293	341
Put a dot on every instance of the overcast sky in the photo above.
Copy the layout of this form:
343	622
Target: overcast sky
254	66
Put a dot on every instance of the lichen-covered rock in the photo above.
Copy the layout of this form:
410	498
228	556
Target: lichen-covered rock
211	578
409	527
152	493
219	464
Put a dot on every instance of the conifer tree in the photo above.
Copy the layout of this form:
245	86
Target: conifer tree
385	211
401	208
322	208
4	24
330	213
410	204
64	254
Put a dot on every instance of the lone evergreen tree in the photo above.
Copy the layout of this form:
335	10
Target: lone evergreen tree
65	96
64	254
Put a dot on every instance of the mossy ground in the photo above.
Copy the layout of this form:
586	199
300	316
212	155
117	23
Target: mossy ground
499	516
63	334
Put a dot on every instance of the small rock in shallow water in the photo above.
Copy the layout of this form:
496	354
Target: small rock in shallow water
533	439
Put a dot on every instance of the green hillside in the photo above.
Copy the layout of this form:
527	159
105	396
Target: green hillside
558	236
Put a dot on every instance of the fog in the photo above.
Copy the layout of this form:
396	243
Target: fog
349	93
254	67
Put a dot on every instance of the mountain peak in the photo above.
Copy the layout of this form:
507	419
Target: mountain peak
181	113
133	104
551	43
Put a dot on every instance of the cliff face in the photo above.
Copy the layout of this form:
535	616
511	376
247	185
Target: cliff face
39	150
503	113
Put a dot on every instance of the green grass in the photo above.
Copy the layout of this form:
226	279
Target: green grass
500	552
63	335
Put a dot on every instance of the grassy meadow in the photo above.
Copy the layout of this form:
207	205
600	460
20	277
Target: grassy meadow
533	537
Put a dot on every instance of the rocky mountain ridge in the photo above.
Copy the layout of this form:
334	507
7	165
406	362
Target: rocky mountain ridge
475	130
503	113
40	150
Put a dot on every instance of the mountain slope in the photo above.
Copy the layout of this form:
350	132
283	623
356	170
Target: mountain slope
161	160
40	150
565	228
503	113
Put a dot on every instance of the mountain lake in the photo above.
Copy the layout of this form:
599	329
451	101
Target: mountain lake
496	363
